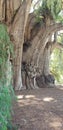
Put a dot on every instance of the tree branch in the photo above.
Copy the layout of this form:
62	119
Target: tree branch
48	32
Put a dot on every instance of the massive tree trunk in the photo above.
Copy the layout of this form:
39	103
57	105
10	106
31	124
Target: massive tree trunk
37	51
37	47
15	13
17	32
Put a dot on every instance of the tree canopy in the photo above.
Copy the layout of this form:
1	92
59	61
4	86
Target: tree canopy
53	8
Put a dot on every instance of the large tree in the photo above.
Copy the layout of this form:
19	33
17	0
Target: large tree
14	14
31	39
39	45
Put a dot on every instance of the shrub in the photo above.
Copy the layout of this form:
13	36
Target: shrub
6	90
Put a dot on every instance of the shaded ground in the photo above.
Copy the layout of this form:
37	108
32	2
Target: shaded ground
40	109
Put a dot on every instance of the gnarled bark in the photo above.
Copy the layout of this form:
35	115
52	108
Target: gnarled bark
17	32
15	14
34	36
2	10
37	56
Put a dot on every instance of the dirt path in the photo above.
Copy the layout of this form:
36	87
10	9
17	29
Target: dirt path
40	109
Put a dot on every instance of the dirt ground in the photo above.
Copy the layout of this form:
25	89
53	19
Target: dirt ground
40	109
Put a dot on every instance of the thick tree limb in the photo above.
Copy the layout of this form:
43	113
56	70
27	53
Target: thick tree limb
39	42
48	32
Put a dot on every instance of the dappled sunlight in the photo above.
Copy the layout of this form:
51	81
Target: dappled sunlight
20	97
48	99
29	96
31	99
53	120
56	123
59	87
24	100
41	109
26	97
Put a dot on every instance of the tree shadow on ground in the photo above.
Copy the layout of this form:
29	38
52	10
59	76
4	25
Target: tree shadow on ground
40	109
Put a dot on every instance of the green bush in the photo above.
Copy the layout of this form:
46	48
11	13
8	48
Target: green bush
5	106
6	90
6	48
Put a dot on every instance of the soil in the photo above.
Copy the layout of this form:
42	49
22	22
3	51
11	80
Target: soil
39	109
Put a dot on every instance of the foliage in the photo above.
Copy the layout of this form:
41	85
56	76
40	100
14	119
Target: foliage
5	105
55	6
51	8
6	90
56	63
5	48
